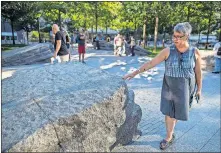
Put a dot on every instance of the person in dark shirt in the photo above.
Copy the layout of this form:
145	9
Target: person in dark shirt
60	44
81	45
68	43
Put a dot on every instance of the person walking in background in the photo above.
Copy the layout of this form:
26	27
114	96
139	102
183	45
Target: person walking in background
217	56
124	42
60	44
67	38
119	46
81	45
182	73
132	45
108	38
94	42
116	39
97	39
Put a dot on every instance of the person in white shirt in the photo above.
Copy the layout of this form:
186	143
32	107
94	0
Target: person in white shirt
217	67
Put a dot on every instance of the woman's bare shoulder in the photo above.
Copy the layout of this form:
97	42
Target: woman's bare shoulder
166	52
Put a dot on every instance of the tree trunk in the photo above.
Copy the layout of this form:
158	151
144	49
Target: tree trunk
199	37
188	14
220	29
85	22
96	16
135	27
92	30
208	30
4	24
59	18
106	28
199	33
13	37
27	36
39	35
163	36
144	32
92	33
155	34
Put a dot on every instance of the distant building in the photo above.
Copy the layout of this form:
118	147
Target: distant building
203	38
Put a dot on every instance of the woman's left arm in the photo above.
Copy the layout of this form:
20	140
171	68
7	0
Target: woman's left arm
198	72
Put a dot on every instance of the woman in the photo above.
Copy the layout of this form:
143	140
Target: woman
182	69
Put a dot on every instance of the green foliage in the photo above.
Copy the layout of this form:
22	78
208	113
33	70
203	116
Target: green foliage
204	16
34	34
8	47
154	52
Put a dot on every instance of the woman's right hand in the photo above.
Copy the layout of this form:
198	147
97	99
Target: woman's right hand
130	76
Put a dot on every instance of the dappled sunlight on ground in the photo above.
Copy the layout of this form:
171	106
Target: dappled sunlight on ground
118	62
7	74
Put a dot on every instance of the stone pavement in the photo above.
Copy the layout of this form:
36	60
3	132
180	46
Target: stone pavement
200	134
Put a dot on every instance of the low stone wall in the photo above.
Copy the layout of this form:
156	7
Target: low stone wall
106	45
66	107
138	50
27	55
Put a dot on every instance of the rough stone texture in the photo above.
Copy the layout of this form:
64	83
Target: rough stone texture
66	107
27	55
105	45
140	51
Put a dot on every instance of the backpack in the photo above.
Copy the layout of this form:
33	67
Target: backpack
219	51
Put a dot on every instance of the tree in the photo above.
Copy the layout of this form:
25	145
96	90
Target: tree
208	10
14	11
28	22
54	10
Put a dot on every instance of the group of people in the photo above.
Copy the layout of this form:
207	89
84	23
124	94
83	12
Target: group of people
120	45
62	44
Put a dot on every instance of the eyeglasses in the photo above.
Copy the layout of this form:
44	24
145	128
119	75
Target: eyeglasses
178	37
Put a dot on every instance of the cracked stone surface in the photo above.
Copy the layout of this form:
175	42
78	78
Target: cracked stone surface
66	107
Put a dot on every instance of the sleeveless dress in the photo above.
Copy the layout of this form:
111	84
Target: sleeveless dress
178	84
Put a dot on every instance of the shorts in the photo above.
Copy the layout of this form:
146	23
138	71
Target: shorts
64	58
81	49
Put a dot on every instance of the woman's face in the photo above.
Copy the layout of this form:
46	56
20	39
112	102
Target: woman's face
179	38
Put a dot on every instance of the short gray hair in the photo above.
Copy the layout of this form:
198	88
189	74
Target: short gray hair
184	28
